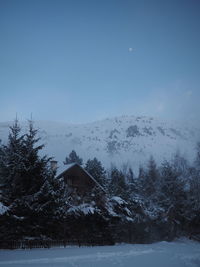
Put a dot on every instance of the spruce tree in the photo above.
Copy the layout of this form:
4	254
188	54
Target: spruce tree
195	181
132	183
36	168
172	187
152	177
181	165
30	191
197	160
141	183
73	158
50	207
11	162
95	168
118	186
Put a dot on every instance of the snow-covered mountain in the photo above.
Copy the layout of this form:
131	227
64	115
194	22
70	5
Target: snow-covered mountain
116	140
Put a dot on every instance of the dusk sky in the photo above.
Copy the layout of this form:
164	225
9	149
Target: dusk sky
80	61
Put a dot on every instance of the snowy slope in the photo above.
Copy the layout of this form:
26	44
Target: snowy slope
117	140
163	254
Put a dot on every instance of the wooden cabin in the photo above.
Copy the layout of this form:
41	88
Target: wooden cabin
78	178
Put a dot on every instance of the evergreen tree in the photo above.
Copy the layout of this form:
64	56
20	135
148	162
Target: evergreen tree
2	178
73	158
131	181
50	207
148	179
195	181
30	190
11	162
141	180
197	160
24	170
172	187
130	176
173	199
36	168
118	186
181	165
151	180
95	168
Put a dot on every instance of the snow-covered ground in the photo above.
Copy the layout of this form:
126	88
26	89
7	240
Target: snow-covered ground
181	253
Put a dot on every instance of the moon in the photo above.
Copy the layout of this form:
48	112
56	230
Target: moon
130	49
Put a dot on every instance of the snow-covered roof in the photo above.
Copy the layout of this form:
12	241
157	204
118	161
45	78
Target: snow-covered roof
62	169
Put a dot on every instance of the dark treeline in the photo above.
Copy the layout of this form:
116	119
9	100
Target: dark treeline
160	203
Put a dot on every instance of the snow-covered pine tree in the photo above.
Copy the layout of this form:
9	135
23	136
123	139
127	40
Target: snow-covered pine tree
73	158
30	190
172	198
132	182
150	182
141	181
1	164
117	185
195	181
49	205
11	162
171	186
132	187
181	166
197	160
95	168
36	168
194	194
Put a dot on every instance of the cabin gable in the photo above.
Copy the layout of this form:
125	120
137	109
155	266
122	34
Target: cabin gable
77	178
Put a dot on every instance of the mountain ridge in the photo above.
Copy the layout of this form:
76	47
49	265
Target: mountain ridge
117	140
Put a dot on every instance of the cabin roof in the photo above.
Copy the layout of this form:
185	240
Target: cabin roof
63	169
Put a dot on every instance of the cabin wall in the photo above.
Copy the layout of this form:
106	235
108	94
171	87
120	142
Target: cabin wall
75	177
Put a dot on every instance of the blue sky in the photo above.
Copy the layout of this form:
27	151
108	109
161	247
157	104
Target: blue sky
79	61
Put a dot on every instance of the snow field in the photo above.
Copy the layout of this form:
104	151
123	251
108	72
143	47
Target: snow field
181	253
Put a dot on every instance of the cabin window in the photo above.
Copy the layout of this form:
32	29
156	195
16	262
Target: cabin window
69	181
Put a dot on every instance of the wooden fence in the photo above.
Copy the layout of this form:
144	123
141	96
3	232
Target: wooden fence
29	244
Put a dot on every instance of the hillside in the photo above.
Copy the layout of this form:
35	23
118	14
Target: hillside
116	140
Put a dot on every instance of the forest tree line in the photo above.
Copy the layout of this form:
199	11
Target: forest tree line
160	203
